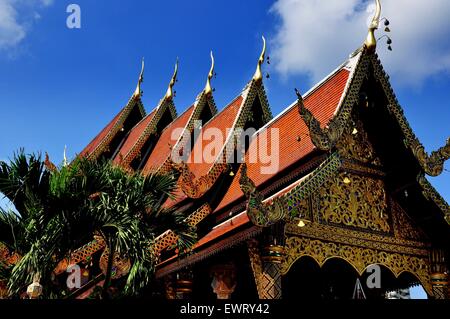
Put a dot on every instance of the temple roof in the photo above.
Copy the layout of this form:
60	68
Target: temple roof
222	121
133	136
166	141
102	140
140	134
323	101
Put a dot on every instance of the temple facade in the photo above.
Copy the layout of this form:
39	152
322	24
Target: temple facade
347	211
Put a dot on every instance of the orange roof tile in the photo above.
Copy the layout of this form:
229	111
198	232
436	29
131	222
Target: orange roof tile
323	103
222	121
134	135
101	136
162	149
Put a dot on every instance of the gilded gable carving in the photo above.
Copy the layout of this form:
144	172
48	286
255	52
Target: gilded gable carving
355	144
355	201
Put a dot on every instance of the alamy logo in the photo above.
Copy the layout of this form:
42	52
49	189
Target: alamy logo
374	279
74	19
74	278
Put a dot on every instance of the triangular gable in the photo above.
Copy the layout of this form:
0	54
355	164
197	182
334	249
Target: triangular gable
326	138
197	178
160	158
120	124
140	134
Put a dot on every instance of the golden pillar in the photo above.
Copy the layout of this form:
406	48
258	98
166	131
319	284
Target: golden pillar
439	274
272	257
266	269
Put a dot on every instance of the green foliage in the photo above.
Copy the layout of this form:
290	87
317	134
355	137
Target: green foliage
60	210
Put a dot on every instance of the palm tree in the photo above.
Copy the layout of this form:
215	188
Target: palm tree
59	210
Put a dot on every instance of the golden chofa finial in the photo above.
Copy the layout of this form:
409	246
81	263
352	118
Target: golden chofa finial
138	91
208	88
258	73
371	41
169	94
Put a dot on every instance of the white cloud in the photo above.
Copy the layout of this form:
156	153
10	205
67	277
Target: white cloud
13	29
315	36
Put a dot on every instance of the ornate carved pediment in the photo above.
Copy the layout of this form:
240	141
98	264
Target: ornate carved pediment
287	205
354	144
354	201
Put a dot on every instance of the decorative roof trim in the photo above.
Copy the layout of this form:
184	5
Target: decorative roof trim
371	42
196	188
104	143
169	94
149	130
325	139
138	92
432	164
267	212
201	102
258	76
168	238
208	89
432	194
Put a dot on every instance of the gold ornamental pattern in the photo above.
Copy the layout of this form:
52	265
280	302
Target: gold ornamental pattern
356	201
403	225
355	144
359	258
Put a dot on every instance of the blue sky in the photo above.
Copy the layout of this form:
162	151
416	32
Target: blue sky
60	86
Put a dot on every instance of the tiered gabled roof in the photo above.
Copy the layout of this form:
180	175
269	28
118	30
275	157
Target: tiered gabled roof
323	100
311	125
174	137
199	174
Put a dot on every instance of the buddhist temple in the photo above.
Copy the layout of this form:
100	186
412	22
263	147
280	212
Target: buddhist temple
343	195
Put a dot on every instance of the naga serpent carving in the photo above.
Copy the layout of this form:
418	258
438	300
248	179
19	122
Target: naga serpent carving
265	214
323	138
260	213
433	164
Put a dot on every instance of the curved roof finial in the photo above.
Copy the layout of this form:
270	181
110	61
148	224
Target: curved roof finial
138	91
258	73
208	88
371	41
169	94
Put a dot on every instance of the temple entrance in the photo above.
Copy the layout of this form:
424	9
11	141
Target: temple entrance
337	279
